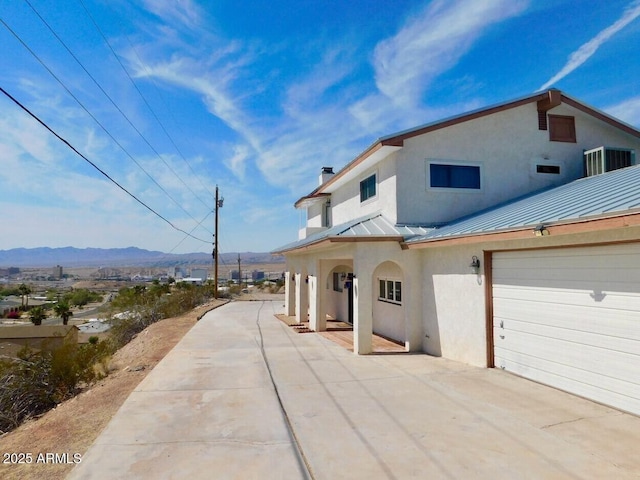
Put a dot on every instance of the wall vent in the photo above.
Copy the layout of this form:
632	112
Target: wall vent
605	159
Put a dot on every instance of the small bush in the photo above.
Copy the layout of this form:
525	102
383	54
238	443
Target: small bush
38	380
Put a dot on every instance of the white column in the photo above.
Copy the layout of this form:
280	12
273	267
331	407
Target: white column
290	294
317	308
302	297
362	315
412	300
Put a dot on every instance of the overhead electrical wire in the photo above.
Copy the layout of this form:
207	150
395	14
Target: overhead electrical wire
144	99
133	48
124	115
94	118
187	236
105	174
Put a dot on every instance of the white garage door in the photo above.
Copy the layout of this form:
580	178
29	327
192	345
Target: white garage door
570	318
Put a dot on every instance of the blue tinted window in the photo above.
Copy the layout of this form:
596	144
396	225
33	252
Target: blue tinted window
454	176
368	188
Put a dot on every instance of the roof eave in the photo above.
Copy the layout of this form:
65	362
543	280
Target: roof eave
526	232
323	242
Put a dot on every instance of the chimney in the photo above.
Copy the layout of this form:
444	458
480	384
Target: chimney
325	174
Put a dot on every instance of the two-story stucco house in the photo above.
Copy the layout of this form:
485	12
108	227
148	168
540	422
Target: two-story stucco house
507	236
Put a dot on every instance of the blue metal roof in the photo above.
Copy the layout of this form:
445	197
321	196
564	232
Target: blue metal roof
375	225
610	194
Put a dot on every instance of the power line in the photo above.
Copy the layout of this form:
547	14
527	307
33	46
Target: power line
160	95
41	122
104	129
144	99
113	102
187	236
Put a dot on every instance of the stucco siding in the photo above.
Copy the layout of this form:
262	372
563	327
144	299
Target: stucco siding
346	203
453	305
507	145
388	317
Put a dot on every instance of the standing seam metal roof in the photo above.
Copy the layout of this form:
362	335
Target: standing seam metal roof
375	225
608	194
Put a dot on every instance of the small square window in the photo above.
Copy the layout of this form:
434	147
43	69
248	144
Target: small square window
562	128
368	188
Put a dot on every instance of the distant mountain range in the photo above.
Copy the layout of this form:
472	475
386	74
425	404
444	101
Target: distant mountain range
119	257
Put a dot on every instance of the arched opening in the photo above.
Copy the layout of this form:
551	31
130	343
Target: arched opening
339	298
388	301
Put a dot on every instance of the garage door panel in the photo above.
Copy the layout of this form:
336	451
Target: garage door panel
549	376
603	361
571	318
621	324
528	301
580	337
565	375
590	253
580	280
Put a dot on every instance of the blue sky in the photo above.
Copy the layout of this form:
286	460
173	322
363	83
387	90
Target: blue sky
170	98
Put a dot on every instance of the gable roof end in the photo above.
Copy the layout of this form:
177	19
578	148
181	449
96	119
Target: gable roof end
546	100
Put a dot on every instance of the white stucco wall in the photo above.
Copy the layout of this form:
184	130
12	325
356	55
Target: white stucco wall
507	145
453	305
346	203
389	318
453	298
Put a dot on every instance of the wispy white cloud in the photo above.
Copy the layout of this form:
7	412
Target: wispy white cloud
427	46
237	163
186	12
627	110
586	50
432	43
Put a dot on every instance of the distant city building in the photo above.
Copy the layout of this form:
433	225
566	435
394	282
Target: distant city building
57	272
178	273
5	272
257	275
200	273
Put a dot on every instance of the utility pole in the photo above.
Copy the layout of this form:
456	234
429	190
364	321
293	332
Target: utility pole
219	202
239	273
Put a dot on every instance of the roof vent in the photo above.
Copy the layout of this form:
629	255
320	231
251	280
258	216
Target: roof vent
605	159
325	174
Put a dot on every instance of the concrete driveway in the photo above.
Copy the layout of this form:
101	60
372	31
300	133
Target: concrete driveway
242	396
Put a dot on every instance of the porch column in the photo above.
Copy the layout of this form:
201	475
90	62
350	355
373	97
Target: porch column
302	297
317	308
362	315
413	304
289	294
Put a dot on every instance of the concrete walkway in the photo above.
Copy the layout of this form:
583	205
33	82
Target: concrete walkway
210	410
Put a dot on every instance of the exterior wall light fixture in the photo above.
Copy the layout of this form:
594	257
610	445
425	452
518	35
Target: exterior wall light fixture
475	264
540	231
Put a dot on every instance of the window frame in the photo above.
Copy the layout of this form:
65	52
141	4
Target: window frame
337	282
454	163
375	187
390	290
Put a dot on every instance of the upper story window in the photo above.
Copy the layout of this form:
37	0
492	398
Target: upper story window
544	168
443	175
326	214
368	188
562	128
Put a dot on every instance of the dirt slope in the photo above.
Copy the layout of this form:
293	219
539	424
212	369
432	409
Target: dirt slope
72	427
